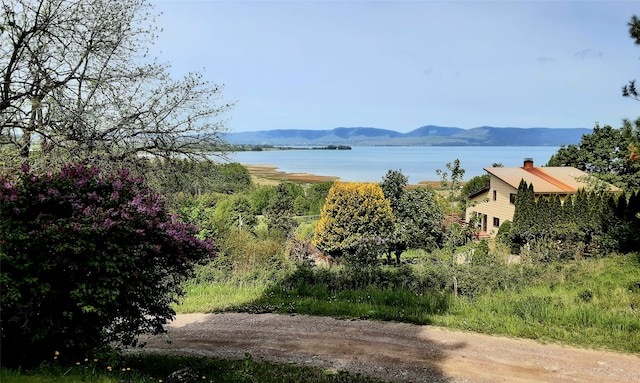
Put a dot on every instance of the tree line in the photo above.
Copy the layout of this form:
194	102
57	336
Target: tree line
586	223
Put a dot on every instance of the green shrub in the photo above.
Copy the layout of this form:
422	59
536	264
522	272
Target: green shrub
86	260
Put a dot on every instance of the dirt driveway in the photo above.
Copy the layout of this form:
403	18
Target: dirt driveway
390	351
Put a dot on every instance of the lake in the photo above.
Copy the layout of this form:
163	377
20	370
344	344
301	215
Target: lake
371	163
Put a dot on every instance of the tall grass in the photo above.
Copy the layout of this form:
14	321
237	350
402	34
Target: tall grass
591	302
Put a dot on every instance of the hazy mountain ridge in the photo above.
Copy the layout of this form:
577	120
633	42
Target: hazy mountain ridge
429	135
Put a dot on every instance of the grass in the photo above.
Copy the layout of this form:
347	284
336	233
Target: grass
158	369
591	303
216	297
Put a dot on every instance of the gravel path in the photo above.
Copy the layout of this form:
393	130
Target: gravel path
390	351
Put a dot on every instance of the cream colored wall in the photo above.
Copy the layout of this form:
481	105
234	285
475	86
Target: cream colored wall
500	208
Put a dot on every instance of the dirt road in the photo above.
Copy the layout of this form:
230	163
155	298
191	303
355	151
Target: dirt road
391	351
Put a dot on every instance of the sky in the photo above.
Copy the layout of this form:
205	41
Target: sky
401	65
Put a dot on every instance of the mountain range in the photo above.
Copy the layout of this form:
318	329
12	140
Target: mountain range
429	135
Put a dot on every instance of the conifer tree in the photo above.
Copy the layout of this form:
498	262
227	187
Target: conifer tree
524	217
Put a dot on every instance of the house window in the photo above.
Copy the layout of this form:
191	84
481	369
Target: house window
496	222
495	195
512	198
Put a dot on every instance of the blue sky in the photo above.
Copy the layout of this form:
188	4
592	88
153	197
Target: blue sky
404	64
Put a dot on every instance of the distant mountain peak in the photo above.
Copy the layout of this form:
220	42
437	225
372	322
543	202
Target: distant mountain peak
428	135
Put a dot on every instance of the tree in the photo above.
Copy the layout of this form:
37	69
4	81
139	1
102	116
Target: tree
452	182
352	214
279	212
233	213
524	217
630	90
393	186
417	215
420	217
77	84
87	259
607	153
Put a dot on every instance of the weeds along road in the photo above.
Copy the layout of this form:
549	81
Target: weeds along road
390	351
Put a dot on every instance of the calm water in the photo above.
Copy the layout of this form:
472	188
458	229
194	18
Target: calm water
419	163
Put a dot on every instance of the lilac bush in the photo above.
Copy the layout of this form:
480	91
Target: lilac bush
87	260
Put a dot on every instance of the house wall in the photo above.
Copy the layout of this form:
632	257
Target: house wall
501	208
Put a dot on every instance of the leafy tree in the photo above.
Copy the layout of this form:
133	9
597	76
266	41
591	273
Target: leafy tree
417	215
260	197
607	153
474	184
87	259
78	84
393	186
420	217
634	32
452	182
353	212
312	201
279	213
233	212
194	177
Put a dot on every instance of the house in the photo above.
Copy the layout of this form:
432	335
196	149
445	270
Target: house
495	204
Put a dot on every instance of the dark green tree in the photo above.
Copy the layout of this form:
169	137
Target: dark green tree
393	186
524	217
279	213
607	153
419	218
232	213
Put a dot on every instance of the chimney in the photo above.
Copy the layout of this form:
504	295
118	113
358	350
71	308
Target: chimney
528	163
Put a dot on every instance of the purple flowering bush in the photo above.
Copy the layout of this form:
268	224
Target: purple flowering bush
87	260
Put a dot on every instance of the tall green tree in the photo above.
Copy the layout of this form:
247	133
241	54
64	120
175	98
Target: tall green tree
354	214
417	215
78	84
279	212
524	217
607	153
393	186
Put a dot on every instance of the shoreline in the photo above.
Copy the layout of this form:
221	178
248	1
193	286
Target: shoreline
264	174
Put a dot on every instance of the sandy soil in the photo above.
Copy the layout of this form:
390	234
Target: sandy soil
390	351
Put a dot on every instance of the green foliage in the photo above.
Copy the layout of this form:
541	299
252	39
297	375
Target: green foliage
233	212
196	177
312	201
279	212
608	153
474	184
86	260
452	181
588	222
634	32
260	198
417	215
352	211
393	186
